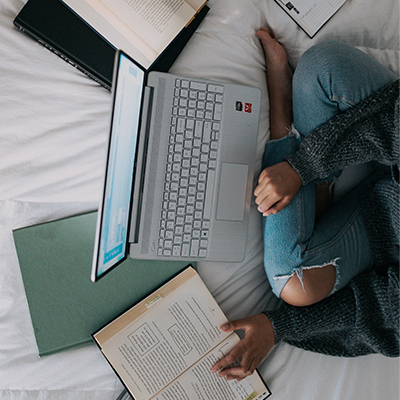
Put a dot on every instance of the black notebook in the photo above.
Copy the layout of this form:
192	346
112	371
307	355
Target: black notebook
63	31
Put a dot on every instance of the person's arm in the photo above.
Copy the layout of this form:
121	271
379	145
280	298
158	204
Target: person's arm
362	318
369	131
365	132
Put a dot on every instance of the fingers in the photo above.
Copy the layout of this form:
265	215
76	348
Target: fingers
268	198
266	192
223	363
259	338
235	354
246	368
277	186
277	207
238	373
239	352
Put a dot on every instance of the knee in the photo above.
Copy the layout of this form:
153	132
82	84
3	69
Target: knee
316	63
315	285
321	56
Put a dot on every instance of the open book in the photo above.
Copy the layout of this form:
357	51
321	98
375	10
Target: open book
142	28
164	347
311	15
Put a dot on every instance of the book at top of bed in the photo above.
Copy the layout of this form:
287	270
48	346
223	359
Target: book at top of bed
86	33
311	15
164	346
143	29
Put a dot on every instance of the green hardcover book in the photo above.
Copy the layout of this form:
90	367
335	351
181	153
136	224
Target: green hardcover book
65	306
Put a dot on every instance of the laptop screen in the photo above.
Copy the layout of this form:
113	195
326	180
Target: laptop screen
114	210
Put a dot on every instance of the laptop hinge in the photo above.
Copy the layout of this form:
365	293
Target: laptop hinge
141	164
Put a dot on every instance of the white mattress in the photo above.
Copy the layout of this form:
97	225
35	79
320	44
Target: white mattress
53	131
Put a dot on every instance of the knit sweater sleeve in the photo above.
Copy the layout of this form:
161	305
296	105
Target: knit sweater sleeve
368	131
361	319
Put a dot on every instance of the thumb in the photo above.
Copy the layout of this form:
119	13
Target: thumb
234	325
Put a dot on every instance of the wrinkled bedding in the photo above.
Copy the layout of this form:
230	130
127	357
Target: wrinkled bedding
53	132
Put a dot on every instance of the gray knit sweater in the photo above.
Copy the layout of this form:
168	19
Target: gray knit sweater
363	317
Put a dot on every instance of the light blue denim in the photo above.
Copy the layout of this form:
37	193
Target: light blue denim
329	78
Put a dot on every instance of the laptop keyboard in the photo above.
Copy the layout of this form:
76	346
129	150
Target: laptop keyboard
190	172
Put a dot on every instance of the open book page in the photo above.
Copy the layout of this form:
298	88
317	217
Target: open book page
311	14
153	349
108	25
198	383
157	23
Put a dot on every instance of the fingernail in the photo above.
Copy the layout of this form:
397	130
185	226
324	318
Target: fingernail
225	326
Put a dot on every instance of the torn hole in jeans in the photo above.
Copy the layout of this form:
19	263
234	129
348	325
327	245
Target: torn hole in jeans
281	280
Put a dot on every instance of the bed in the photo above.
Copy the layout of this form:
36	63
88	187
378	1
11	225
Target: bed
53	132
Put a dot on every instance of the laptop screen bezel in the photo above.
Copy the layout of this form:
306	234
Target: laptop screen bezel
96	275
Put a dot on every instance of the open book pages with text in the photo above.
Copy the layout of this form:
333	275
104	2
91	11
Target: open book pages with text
199	383
156	23
168	343
143	29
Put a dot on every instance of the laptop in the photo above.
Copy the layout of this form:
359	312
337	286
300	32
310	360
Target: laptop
179	171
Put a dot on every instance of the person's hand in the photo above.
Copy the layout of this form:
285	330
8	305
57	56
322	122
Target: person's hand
277	186
258	340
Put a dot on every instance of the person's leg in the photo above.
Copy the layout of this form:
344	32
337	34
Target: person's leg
339	239
320	283
330	78
306	260
279	78
301	258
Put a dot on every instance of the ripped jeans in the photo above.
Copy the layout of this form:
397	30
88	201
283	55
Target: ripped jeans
329	78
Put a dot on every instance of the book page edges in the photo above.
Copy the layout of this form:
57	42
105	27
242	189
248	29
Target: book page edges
197	5
140	309
197	10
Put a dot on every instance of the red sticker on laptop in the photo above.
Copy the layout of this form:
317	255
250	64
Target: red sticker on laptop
247	107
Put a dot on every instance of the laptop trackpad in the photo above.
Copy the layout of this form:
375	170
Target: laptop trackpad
232	192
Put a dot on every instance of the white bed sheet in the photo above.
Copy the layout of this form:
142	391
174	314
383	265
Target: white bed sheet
53	131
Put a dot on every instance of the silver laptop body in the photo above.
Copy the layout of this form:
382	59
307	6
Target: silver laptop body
180	169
